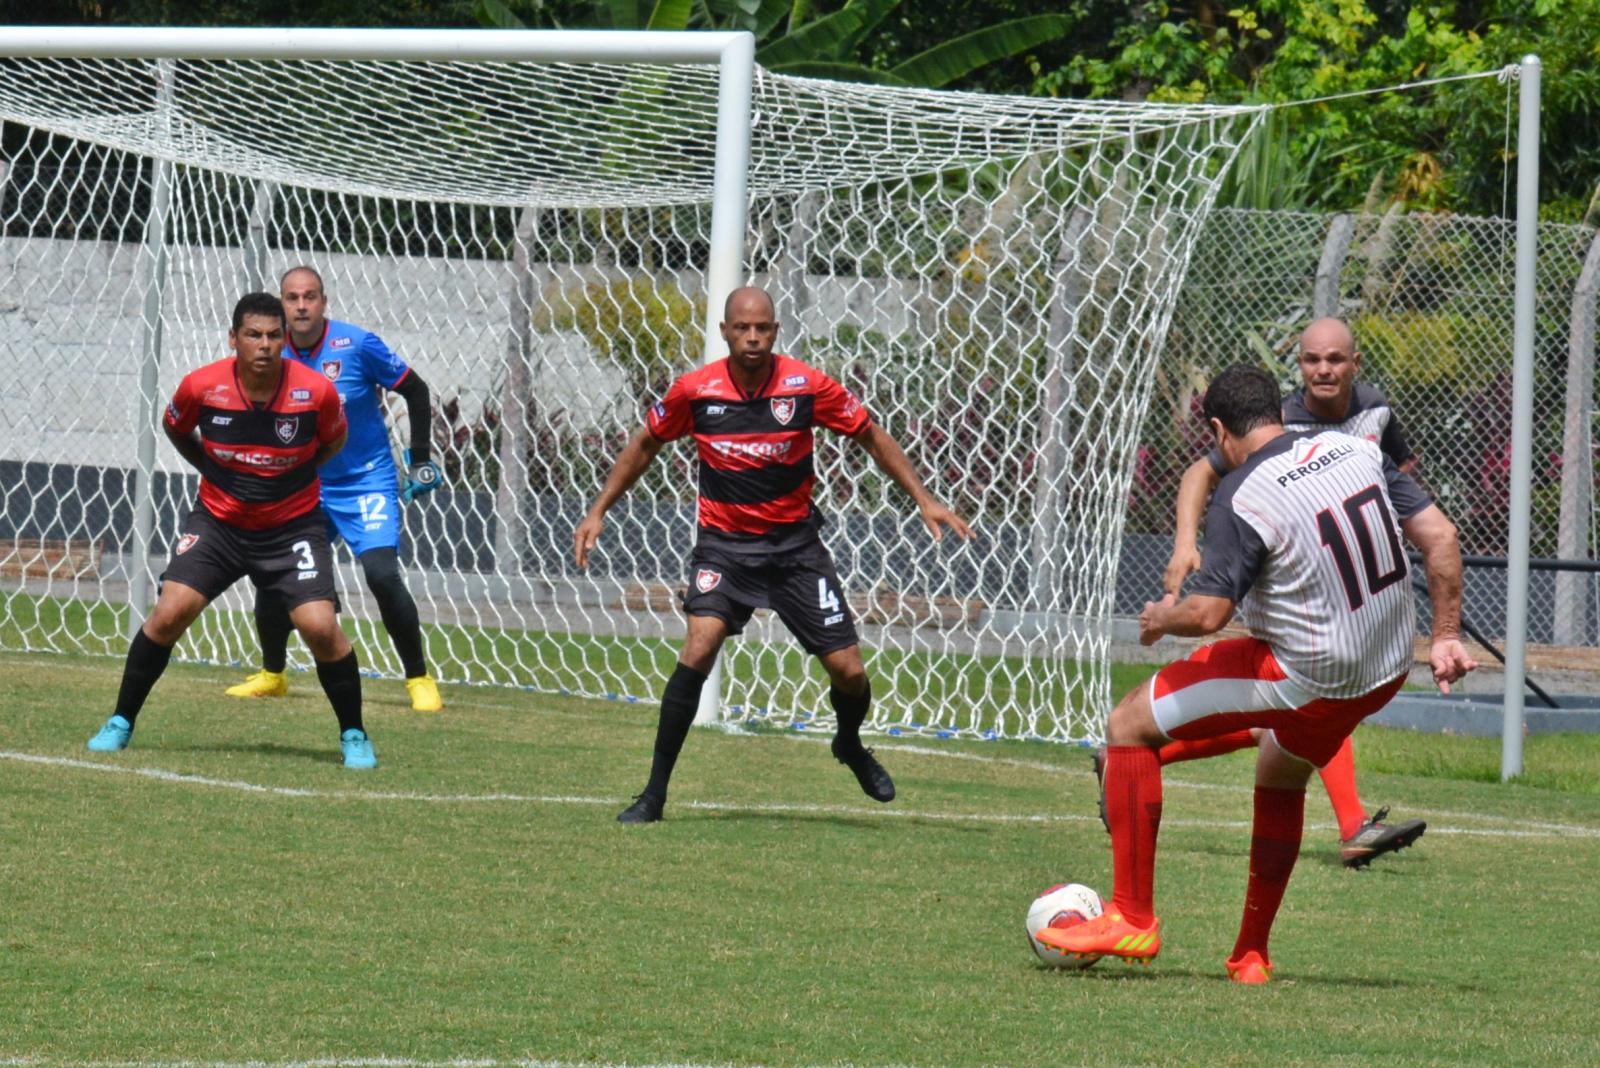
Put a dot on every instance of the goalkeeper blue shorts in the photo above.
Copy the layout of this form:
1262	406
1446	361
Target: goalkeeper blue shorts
366	517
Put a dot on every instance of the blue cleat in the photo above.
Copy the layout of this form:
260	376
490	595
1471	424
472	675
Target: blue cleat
112	737
358	752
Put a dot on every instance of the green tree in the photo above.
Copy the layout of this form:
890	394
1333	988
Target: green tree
1443	147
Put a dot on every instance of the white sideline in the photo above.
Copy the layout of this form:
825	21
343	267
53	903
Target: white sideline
1528	829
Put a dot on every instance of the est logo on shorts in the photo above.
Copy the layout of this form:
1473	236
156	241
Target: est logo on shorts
186	542
705	579
783	409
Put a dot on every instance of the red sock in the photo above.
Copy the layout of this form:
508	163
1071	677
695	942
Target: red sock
1133	808
1274	846
1199	748
1339	777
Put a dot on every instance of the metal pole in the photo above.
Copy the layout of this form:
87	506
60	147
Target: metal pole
1577	455
256	248
155	249
1521	418
729	216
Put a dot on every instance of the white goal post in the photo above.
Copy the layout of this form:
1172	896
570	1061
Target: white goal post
545	224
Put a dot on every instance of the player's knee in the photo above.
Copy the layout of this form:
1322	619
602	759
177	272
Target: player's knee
381	568
327	643
849	678
1132	722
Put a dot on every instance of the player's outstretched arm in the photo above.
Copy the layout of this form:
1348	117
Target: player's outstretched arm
892	461
634	459
1193	492
422	474
1435	537
1193	617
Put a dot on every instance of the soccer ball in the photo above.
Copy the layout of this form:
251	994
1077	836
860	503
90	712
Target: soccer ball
1063	905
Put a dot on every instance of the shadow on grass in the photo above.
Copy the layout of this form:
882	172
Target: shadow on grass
331	754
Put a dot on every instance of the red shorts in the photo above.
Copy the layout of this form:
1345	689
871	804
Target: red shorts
1234	684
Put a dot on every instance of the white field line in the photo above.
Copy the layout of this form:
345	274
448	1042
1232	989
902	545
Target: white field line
182	779
475	697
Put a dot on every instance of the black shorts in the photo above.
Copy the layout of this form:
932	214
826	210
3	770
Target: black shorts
292	560
800	585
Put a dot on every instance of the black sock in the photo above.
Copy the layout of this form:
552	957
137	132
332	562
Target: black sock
397	607
679	702
341	681
273	627
851	713
147	659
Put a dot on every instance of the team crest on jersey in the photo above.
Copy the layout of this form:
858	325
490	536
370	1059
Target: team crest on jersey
705	580
286	428
339	343
783	409
299	394
186	542
331	369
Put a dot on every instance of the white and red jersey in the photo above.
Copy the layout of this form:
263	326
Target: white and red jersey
755	449
1304	538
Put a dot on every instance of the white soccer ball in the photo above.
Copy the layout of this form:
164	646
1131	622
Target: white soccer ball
1063	905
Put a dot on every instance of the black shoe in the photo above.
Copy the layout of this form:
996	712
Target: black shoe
875	782
1099	758
646	808
1376	838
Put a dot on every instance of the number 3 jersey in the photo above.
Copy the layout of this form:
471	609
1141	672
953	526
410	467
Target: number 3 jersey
1304	538
259	469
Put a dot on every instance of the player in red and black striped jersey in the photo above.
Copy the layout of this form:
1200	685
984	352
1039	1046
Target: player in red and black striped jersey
752	417
256	427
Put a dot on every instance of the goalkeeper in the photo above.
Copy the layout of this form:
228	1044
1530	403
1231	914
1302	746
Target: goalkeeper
361	491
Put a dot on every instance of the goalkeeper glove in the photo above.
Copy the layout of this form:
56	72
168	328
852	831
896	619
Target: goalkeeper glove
420	478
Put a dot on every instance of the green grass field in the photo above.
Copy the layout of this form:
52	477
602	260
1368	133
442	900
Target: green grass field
225	892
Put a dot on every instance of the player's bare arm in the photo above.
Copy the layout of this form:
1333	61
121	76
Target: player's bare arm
892	461
635	458
326	451
1435	537
1199	482
188	445
1193	617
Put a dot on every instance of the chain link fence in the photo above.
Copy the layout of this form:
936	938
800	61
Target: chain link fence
1429	298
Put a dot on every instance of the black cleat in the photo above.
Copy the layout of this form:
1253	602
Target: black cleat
1099	758
646	808
1376	838
875	781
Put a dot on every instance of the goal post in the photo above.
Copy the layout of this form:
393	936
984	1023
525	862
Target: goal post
546	225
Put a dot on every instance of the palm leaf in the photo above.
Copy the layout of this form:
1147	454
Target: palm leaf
953	59
493	15
670	15
827	38
626	14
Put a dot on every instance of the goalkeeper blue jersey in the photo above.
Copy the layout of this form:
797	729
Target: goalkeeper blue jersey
361	367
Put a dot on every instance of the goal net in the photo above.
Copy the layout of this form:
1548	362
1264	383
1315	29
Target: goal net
993	276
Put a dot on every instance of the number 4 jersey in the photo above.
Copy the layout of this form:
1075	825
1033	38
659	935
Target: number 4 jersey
1304	537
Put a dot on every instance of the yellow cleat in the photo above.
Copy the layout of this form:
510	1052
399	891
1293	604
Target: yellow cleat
424	694
261	684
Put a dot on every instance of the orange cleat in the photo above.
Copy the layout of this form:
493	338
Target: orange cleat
1107	935
1252	969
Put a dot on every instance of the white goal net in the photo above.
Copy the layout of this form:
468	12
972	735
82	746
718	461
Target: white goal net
994	276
